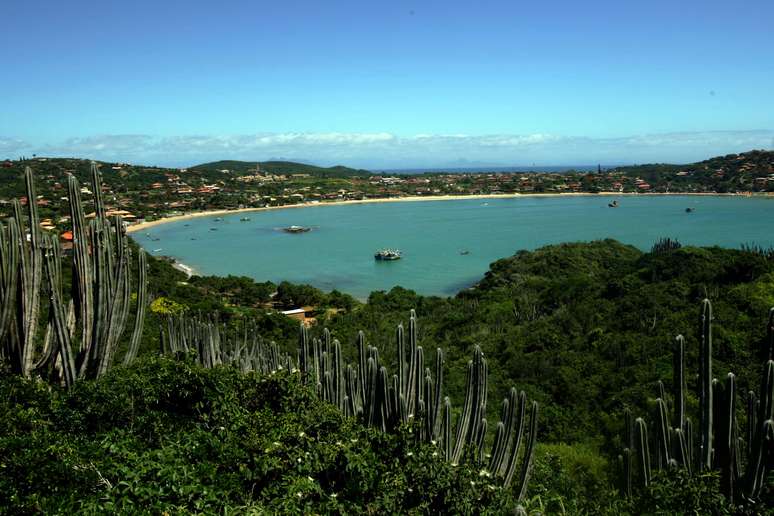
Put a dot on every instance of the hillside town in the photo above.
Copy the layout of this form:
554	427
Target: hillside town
139	193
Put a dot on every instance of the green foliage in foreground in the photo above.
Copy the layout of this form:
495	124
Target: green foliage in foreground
170	436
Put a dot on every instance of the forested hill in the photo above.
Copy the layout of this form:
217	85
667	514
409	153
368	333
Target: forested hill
279	168
585	329
748	171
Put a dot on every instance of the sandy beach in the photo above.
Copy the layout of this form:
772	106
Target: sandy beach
149	224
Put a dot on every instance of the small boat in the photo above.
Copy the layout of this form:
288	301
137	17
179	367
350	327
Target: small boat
613	204
218	219
244	219
464	252
689	210
213	229
296	229
157	250
387	254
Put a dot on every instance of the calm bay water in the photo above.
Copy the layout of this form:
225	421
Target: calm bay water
338	252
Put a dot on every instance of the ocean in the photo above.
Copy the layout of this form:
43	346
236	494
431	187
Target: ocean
447	245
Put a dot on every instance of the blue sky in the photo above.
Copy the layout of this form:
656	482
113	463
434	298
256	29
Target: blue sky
387	84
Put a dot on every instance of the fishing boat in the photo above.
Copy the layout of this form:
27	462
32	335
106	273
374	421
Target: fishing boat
613	204
296	229
388	254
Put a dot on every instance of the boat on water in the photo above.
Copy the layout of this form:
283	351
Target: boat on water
388	254
613	204
218	219
296	229
244	219
464	252
689	210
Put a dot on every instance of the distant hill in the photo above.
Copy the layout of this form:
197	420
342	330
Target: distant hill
727	173
279	168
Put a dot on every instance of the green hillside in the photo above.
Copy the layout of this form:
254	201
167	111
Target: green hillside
748	171
280	168
239	416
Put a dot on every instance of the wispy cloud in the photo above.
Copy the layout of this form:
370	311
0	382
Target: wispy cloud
12	145
386	150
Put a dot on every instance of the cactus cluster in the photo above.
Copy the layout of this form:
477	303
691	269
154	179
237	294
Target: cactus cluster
364	389
414	394
84	328
212	343
743	462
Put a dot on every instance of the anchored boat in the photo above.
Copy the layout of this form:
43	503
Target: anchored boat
387	254
296	229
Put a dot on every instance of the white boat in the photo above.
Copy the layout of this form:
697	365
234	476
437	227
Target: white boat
388	254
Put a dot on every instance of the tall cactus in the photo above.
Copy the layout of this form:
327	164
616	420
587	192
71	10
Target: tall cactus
26	263
678	382
720	446
9	262
414	396
643	449
705	387
100	291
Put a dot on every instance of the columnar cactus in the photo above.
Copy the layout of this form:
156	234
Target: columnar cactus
705	387
720	446
643	449
83	333
213	344
414	396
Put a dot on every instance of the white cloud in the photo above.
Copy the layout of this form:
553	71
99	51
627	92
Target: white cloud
12	145
387	150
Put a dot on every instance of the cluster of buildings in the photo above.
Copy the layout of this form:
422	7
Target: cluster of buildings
142	193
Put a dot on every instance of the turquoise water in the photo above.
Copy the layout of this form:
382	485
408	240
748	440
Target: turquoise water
338	252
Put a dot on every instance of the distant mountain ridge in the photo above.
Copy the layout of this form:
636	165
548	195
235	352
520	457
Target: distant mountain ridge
279	168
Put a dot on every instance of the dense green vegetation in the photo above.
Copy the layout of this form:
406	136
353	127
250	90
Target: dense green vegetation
586	329
169	436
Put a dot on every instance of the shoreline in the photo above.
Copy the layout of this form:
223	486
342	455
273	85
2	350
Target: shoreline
186	269
417	198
